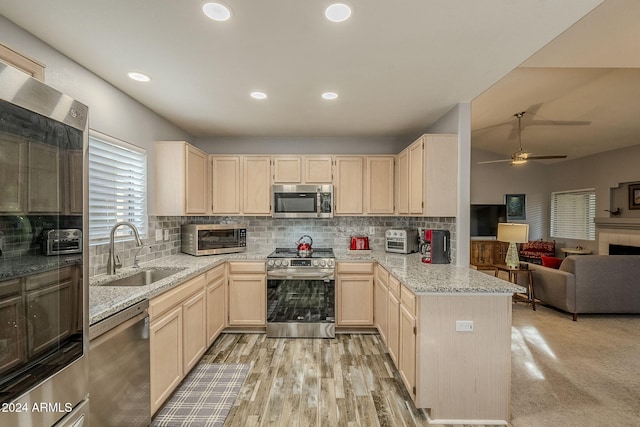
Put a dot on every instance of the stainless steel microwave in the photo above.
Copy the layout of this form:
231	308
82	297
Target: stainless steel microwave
213	239
302	201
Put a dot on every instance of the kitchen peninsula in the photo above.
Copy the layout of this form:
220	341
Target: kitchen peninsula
458	322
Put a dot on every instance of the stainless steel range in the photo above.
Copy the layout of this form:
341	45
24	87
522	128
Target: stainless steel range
301	294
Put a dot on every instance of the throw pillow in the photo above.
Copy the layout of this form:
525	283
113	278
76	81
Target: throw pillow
551	262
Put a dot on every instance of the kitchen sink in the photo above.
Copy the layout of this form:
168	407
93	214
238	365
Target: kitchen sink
144	277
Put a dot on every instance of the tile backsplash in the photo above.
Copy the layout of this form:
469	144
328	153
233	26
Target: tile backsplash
266	233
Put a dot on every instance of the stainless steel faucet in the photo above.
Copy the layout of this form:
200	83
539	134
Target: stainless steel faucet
114	262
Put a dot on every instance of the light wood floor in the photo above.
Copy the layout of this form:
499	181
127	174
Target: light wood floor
346	381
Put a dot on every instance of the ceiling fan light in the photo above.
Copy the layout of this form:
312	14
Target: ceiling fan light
518	161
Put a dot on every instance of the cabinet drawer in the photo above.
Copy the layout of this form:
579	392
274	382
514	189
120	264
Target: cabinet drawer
175	296
355	267
215	273
48	278
408	299
382	275
394	286
247	267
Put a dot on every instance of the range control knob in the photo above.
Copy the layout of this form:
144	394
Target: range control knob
330	263
270	263
285	262
315	263
323	263
278	263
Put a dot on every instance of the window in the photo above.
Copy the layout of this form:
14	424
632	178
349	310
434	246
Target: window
572	214
117	187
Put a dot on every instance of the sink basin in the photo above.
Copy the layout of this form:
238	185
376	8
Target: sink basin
144	277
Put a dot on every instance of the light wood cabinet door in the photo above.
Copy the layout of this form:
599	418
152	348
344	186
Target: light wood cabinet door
194	330
355	300
12	174
402	184
349	185
166	355
256	185
287	169
380	307
441	175
393	330
196	181
225	171
407	356
318	169
44	173
379	185
416	189
216	303
247	300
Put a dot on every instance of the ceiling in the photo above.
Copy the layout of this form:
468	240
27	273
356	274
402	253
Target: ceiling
396	70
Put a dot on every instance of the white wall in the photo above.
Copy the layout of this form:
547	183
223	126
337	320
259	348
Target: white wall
302	145
110	111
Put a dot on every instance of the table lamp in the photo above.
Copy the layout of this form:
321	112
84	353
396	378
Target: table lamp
513	233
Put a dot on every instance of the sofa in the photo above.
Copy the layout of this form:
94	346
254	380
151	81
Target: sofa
590	284
533	250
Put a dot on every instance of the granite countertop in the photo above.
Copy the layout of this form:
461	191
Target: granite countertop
14	267
421	278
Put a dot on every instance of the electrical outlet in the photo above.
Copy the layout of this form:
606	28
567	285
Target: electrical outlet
464	325
372	231
158	235
166	234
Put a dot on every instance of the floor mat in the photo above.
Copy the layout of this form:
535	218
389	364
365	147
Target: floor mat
205	397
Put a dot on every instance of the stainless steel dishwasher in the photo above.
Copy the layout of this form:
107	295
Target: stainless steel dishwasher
119	369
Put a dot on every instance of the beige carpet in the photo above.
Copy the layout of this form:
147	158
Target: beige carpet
565	373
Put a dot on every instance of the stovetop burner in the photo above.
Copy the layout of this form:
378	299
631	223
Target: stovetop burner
293	253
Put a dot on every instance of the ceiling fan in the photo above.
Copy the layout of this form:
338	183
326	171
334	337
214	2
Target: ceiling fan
520	156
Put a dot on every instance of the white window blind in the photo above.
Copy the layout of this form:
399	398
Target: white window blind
117	187
573	213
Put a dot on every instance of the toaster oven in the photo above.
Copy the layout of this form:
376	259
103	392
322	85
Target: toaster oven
213	239
61	242
401	241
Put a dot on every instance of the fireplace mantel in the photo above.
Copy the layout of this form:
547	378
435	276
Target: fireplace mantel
620	223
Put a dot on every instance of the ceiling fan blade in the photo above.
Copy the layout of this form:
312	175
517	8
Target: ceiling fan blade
558	156
557	123
494	161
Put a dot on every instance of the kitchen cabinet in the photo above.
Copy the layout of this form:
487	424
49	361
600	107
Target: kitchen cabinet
318	169
247	293
402	182
287	169
354	294
177	336
429	181
181	179
381	302
256	187
44	174
13	152
30	66
349	185
216	302
393	327
408	337
73	168
379	196
226	185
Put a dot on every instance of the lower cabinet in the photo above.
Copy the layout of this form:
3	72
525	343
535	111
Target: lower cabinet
381	302
407	356
247	293
393	309
354	294
216	302
177	336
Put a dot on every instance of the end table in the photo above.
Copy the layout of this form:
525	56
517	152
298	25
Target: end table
513	272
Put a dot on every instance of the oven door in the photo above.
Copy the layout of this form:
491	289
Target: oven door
301	306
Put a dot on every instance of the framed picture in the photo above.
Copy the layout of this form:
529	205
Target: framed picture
516	207
634	196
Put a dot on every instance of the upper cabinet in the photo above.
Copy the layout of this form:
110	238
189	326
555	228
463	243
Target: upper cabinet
241	185
349	185
12	174
43	188
302	169
379	185
181	179
428	177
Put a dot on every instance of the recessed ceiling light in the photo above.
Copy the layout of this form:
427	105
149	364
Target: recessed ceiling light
338	12
329	95
139	77
216	11
258	95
